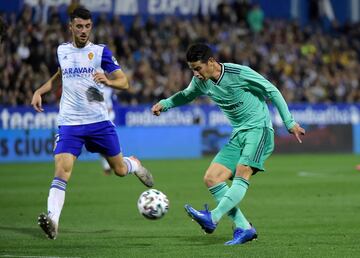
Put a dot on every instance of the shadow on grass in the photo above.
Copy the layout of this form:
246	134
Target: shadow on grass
133	240
37	232
176	240
103	231
34	232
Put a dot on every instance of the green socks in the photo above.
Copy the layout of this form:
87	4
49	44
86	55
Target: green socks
228	199
218	192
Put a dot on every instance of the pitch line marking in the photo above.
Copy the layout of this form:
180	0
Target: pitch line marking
34	256
309	174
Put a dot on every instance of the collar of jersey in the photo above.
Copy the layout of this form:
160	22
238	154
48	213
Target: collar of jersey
221	75
87	45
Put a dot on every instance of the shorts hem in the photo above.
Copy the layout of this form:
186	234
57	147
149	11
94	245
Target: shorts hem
253	165
69	152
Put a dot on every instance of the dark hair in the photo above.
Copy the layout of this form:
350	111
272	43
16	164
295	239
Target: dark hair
80	12
199	52
3	29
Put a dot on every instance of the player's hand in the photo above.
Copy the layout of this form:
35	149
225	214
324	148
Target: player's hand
156	109
101	78
297	130
36	102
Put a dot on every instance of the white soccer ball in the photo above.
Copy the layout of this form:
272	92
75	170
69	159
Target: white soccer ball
153	204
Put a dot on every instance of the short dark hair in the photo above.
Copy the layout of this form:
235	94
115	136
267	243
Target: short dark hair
80	12
199	52
3	29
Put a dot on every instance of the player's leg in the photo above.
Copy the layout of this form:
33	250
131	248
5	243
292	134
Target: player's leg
221	169
123	166
234	194
102	138
64	163
105	166
67	148
63	166
228	158
258	145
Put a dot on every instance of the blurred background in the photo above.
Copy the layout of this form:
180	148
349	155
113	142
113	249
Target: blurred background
309	49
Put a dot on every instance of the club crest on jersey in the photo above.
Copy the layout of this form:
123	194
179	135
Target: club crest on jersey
91	55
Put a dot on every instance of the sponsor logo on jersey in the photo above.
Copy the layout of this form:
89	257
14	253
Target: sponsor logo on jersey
77	72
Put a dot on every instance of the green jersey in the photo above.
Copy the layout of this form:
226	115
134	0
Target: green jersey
240	93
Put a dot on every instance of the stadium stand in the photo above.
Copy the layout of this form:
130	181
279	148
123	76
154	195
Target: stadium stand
308	64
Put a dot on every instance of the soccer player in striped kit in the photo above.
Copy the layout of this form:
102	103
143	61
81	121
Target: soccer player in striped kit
83	116
241	94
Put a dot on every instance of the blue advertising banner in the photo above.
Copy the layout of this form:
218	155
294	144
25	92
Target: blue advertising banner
211	115
205	115
31	146
28	118
356	138
146	143
185	132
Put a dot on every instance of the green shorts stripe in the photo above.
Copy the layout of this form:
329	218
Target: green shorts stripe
260	147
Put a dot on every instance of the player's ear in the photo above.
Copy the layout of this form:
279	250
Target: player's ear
211	61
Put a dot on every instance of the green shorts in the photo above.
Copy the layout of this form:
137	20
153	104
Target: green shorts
249	147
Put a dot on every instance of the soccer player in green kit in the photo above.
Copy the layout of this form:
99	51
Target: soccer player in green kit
241	94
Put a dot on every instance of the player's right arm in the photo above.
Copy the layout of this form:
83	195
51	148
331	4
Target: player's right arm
36	101
178	99
259	84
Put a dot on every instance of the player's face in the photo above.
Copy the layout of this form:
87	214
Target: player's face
80	30
202	71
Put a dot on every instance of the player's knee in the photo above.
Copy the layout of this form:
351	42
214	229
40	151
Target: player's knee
210	180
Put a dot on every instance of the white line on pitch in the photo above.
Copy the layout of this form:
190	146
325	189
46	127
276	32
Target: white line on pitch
309	174
34	256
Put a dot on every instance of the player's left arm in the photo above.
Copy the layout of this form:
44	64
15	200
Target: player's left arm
117	79
269	91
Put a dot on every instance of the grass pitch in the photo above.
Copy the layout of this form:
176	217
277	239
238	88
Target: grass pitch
303	206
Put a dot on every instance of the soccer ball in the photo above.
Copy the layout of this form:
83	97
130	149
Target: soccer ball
153	204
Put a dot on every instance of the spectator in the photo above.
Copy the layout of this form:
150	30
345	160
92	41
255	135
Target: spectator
307	65
255	18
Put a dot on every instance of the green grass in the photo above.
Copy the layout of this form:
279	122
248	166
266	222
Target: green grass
304	206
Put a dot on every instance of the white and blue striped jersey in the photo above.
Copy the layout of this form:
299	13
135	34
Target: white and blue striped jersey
82	100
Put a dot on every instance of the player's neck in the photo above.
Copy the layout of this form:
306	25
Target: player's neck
217	72
80	45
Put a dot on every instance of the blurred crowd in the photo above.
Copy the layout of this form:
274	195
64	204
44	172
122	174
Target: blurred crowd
307	64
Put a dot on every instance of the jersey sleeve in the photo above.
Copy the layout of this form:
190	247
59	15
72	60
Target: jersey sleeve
108	61
182	97
259	84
